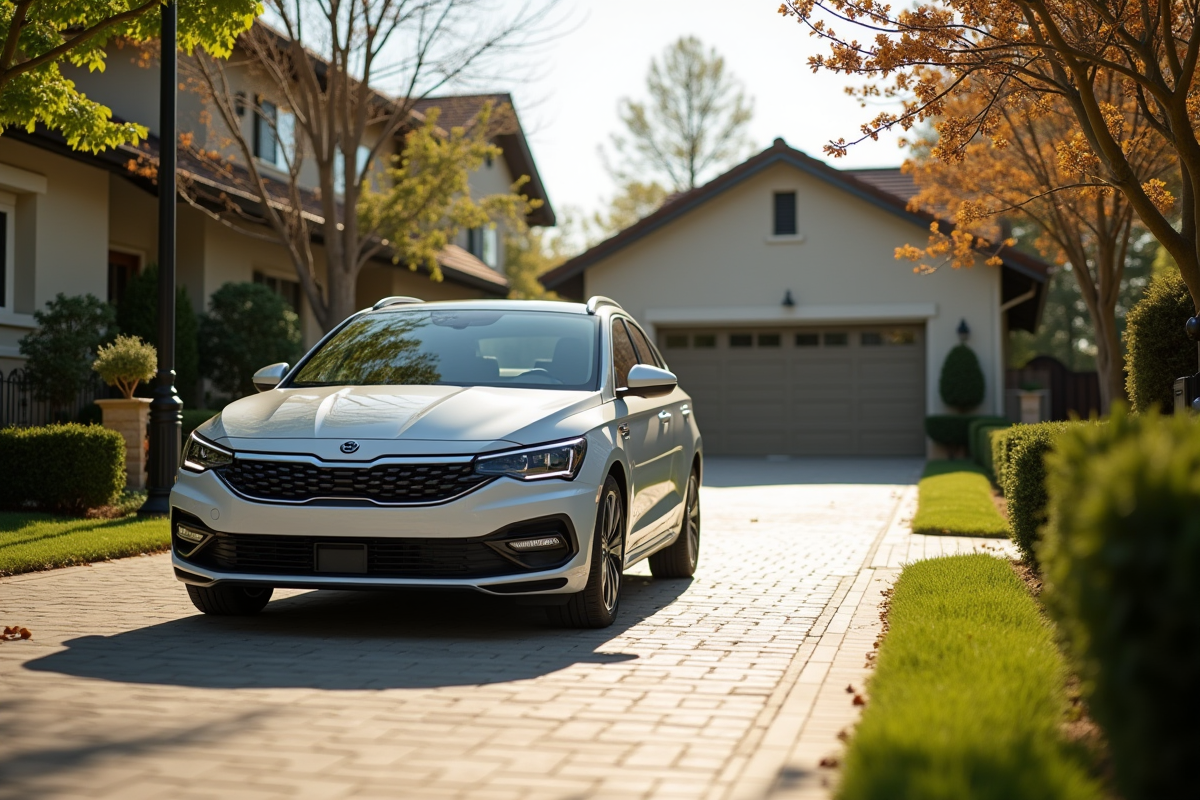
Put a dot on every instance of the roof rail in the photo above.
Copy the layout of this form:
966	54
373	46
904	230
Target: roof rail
395	300
596	302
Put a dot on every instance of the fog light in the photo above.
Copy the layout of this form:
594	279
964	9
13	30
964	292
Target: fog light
189	535
541	543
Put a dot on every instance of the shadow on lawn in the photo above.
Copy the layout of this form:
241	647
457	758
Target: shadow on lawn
358	640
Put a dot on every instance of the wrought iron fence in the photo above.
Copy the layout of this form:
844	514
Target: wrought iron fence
20	406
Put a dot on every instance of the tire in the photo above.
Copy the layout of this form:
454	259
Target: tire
230	599
680	559
597	605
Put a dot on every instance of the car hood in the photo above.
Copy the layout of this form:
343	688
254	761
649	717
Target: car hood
471	416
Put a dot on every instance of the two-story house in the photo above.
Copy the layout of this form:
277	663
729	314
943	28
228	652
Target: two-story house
78	223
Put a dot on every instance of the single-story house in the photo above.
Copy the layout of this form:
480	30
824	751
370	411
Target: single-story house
774	293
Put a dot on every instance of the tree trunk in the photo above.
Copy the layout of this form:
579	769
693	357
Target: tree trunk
1109	365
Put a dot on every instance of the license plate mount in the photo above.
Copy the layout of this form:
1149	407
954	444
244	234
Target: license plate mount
345	559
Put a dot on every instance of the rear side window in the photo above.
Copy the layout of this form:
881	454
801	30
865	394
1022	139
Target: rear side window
646	354
624	356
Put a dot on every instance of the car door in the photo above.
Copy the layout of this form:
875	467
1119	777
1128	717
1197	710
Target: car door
672	426
649	450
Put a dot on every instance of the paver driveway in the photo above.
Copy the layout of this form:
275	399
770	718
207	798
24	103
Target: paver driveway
126	692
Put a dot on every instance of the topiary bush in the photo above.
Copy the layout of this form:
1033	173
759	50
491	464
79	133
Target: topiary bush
949	430
1122	574
60	352
64	468
961	383
1158	349
137	315
247	327
125	363
1025	482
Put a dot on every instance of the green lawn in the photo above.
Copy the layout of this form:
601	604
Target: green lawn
955	498
31	541
967	701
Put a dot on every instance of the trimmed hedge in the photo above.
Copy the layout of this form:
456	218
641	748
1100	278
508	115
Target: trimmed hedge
1001	454
65	468
1025	481
979	443
948	430
1158	349
1122	568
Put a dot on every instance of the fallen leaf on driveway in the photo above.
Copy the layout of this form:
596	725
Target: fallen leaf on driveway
859	701
828	762
12	634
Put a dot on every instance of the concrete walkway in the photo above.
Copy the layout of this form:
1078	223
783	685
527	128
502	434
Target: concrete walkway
730	685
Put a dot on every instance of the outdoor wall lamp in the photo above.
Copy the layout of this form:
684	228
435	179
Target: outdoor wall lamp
788	300
964	332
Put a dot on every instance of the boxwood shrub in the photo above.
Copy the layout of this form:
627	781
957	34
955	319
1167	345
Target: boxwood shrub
1121	562
64	468
979	443
1025	481
1158	349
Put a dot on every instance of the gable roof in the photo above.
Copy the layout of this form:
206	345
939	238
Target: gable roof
1022	272
507	133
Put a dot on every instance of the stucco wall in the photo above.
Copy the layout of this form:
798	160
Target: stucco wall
719	262
61	234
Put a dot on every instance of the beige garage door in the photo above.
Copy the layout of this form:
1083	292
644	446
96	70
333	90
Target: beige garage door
818	391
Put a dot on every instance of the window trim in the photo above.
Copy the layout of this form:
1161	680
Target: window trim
8	207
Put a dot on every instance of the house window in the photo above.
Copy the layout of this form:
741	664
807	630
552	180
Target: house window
836	339
785	213
484	244
705	341
288	290
121	269
274	135
361	156
7	216
741	340
769	340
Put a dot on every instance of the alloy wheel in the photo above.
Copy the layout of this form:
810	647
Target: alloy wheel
693	520
612	550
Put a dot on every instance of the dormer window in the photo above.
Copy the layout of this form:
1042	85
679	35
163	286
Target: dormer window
785	214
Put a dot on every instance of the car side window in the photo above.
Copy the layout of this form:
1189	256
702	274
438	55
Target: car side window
624	356
646	354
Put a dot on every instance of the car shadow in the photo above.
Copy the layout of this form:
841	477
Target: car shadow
359	640
731	471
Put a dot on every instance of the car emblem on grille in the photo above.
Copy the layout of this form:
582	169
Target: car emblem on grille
350	447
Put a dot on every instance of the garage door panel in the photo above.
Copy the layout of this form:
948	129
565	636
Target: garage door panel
805	394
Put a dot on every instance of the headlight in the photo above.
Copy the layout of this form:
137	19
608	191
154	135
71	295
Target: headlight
201	454
560	460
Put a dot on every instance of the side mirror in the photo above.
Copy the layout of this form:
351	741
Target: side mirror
647	381
269	377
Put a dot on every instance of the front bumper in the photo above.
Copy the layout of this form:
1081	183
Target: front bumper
487	514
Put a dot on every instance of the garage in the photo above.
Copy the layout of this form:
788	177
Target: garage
804	391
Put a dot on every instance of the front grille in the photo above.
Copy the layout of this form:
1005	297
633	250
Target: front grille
293	482
396	558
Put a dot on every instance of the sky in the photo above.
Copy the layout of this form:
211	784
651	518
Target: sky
567	91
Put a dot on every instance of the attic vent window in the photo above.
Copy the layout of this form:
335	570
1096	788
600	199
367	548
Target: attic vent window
785	214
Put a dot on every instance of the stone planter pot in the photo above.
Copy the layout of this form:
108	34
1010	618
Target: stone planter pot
130	418
1031	402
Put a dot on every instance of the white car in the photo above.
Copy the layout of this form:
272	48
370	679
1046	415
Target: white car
510	447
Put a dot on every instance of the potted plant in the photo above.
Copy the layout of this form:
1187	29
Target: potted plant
125	363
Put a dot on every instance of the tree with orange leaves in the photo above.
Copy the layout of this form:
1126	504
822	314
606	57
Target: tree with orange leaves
1023	51
1029	167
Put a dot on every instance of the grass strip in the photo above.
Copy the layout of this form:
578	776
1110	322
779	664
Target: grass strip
967	701
30	542
955	498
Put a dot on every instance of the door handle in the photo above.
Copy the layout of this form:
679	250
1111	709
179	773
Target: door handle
623	429
664	415
685	410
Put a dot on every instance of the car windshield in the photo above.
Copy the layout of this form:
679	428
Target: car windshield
471	347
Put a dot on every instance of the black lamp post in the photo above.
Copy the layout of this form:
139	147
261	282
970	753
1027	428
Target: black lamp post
165	407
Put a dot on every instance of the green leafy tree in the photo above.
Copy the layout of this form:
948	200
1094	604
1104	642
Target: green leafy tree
961	383
635	200
125	363
246	328
38	36
137	315
693	123
59	354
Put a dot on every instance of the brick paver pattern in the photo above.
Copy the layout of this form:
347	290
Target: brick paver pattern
126	692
